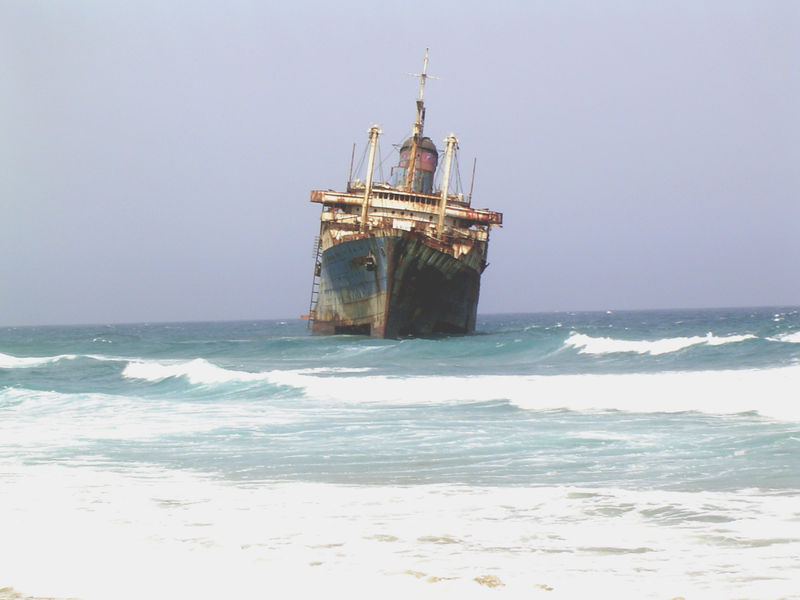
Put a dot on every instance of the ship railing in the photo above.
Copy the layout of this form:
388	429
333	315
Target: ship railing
419	202
351	223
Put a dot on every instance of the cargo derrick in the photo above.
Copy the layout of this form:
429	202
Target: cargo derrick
400	259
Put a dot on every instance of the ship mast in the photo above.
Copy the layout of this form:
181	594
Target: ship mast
418	124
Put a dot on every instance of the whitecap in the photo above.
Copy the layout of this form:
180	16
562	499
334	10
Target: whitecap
20	362
791	337
334	370
605	345
197	371
769	392
713	340
36	419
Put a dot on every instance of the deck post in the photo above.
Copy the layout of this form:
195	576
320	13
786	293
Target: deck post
451	144
374	132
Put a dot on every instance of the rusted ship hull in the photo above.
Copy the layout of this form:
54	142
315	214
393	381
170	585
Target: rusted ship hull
394	283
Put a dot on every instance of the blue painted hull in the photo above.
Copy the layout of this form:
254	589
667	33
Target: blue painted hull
393	284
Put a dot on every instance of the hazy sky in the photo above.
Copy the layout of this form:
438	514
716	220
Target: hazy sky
156	157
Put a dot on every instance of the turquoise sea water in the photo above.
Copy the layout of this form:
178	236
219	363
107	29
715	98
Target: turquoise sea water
656	454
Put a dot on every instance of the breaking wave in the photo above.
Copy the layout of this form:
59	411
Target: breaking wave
586	344
8	361
201	372
792	338
20	362
38	418
198	371
769	392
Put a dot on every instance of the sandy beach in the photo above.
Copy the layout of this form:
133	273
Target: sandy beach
8	593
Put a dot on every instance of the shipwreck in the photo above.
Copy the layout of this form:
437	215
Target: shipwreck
399	258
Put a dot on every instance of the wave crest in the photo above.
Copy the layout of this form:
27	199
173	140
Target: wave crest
586	344
21	362
769	392
792	338
197	371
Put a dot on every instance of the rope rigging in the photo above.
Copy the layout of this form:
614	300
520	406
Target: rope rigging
360	162
358	172
459	188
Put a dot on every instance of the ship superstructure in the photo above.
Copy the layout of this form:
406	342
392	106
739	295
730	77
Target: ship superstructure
397	259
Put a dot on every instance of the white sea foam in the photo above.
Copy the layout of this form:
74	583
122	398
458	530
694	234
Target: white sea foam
200	371
33	419
604	345
791	337
713	340
15	362
21	362
197	371
158	534
770	392
335	370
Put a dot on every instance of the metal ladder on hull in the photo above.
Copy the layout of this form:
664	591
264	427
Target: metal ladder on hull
314	282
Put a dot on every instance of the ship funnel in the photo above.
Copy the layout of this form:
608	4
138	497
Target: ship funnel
424	165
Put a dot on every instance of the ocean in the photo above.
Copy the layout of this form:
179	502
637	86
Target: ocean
651	454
